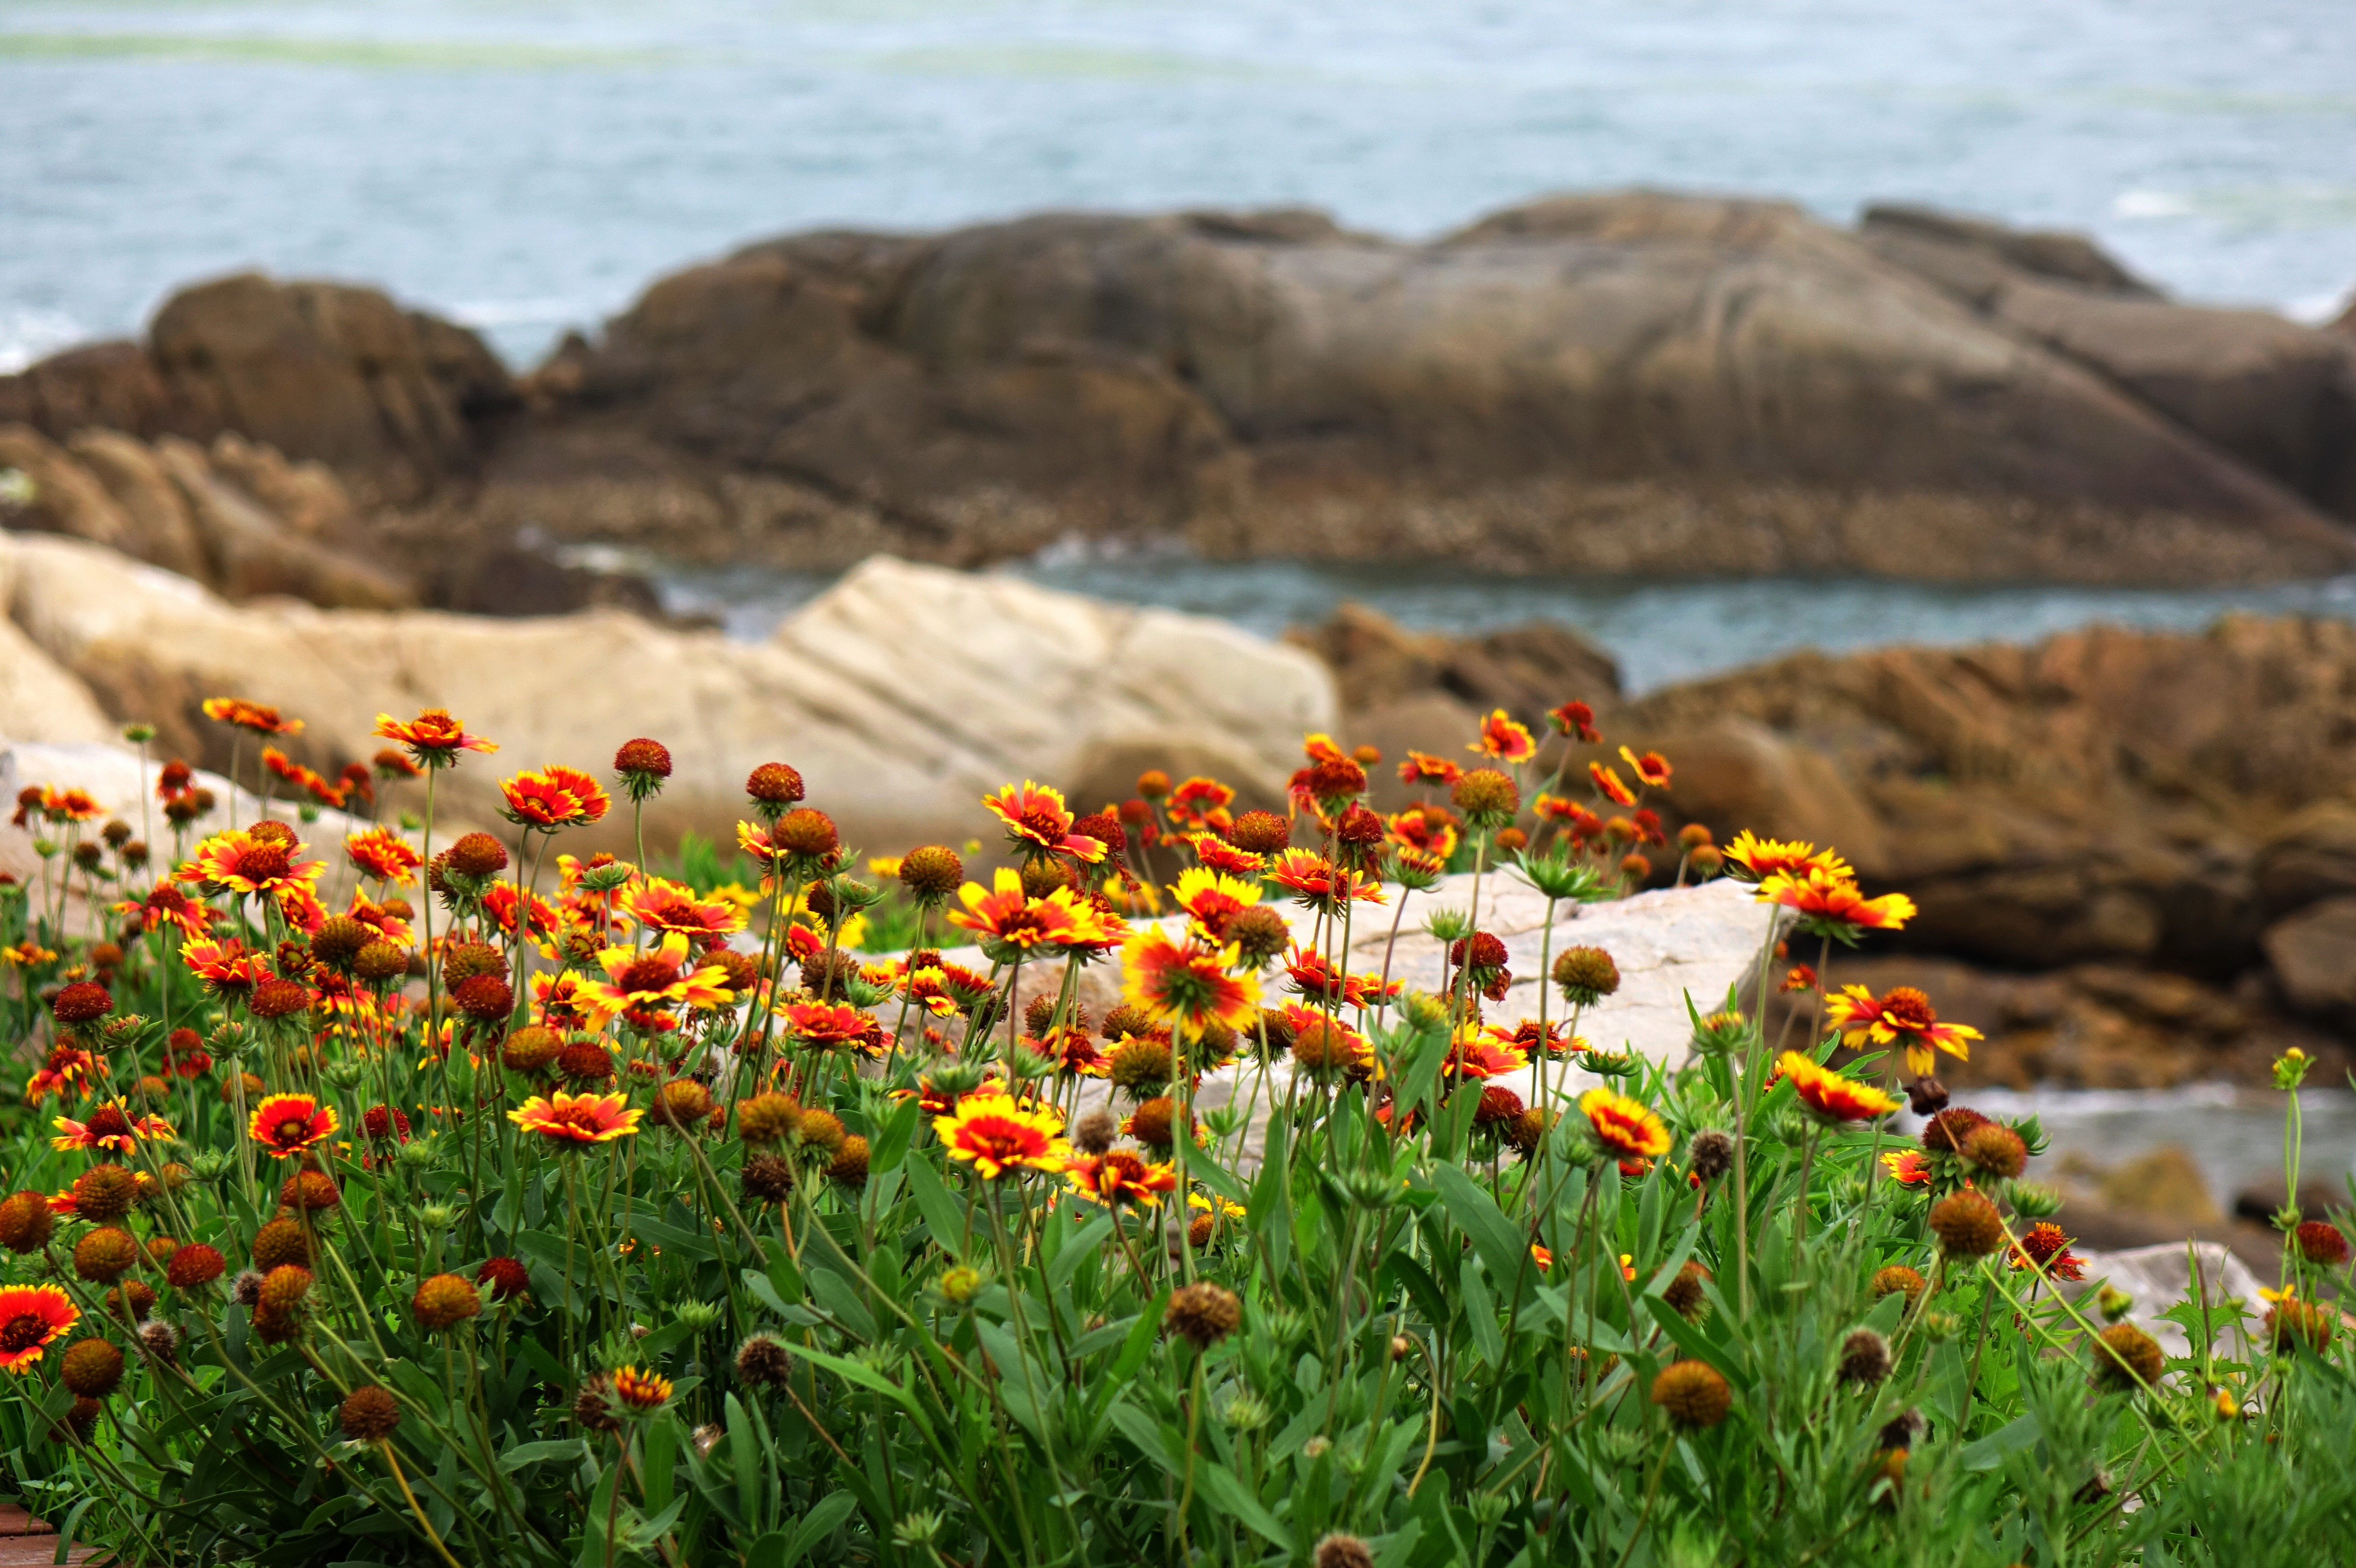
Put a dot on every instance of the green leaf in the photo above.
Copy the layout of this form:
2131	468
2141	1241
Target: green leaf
2015	1435
945	1212
821	1521
1146	1433
1219	1487
1077	1250
1481	1311
840	1299
1477	1215
536	1452
746	1461
866	1377
891	1139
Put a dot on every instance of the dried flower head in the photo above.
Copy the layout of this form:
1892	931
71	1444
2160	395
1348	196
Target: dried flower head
767	1179
1586	975
1684	1294
767	1118
1997	1150
193	1265
1339	1550
774	785
105	1255
104	1194
26	1221
445	1300
1712	1154
1694	1393
2319	1241
369	1414
532	1048
91	1368
2125	1356
1899	1277
505	1278
1865	1357
477	855
762	1361
1968	1224
1203	1314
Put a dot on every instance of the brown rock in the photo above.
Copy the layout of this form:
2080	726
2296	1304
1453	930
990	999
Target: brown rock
2166	1184
163	534
2313	955
2279	396
1622	383
2311	857
1524	669
252	555
65	498
1737	773
397	401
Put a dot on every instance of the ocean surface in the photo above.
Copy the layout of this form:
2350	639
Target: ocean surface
527	166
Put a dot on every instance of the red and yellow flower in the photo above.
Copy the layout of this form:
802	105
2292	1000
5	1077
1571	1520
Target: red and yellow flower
1184	986
1014	922
1038	823
236	860
1423	770
1628	1128
1834	906
382	854
651	983
1502	737
168	906
1907	1167
1217	854
255	716
665	906
1758	859
1430	833
1575	719
1651	768
108	1127
1476	1053
1830	1095
2045	1247
1609	784
1904	1017
1118	1176
995	1134
1201	804
1320	883
287	1125
433	738
1211	900
553	797
32	1318
562	1118
224	965
828	1024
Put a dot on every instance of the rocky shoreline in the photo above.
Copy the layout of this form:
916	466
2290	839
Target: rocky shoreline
1620	384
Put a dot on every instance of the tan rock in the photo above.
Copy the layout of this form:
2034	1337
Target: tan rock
2313	955
66	498
40	699
903	695
163	533
305	496
253	554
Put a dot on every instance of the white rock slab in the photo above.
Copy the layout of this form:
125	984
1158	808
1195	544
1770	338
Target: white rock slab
2158	1277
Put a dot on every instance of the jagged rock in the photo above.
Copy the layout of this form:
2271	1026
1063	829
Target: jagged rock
2313	954
397	401
1525	670
65	498
1620	384
252	555
903	695
163	533
2279	396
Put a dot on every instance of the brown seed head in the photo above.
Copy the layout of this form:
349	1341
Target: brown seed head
643	760
380	961
683	1103
932	872
1339	1550
767	1118
807	832
774	784
1694	1393
767	1179
1968	1224
1150	1124
2125	1356
2319	1241
461	961
1997	1150
1586	975
105	1255
26	1221
1140	1066
104	1194
91	1368
530	1049
1092	1134
1323	1046
821	1130
1153	784
1486	797
279	999
1203	1314
445	1300
479	855
761	1362
585	1061
369	1414
593	1407
281	1241
1712	1154
1684	1294
83	1002
311	1190
1865	1357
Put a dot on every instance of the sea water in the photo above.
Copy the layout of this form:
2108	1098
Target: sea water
527	166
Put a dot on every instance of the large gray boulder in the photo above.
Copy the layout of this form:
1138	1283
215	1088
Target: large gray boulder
1623	384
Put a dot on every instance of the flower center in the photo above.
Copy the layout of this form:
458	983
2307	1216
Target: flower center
293	1129
263	863
648	974
22	1333
1907	1008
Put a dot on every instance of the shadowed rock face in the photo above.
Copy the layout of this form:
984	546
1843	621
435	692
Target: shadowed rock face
1625	383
